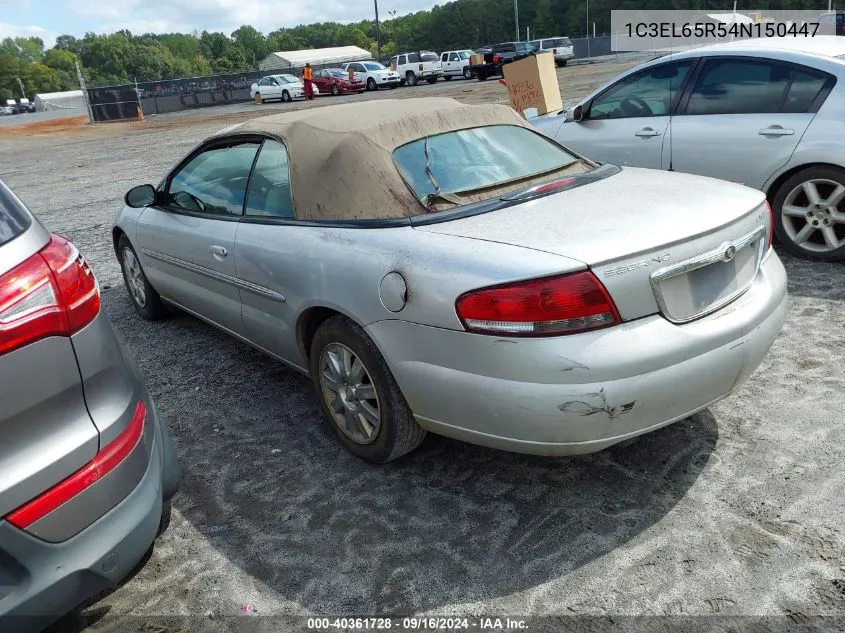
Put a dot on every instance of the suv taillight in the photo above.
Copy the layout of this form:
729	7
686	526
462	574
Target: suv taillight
554	51
495	59
53	293
551	306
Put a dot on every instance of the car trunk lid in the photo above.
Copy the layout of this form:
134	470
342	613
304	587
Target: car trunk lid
657	241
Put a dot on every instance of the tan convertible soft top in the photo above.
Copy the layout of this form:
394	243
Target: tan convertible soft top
341	156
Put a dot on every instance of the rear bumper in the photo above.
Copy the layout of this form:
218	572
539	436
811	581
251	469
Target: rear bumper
583	393
41	581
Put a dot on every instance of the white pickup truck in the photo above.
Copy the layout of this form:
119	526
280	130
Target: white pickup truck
456	64
415	66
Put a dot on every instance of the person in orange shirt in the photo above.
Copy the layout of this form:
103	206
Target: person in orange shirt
306	80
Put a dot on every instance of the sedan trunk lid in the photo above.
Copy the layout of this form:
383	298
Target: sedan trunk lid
638	222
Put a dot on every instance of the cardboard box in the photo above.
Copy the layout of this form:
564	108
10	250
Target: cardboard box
532	84
476	60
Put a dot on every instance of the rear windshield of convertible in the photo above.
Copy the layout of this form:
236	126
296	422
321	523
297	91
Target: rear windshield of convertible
477	158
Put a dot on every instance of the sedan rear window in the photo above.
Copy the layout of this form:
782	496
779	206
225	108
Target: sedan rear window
14	219
477	158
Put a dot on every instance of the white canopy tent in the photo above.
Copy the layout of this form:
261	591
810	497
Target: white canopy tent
70	100
324	57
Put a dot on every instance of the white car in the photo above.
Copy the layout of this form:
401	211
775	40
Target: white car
763	112
560	47
412	67
282	87
374	74
456	64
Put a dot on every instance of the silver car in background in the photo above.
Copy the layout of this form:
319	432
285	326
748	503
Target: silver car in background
86	465
768	113
442	267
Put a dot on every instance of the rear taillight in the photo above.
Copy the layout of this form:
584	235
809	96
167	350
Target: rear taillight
495	59
106	461
554	51
53	293
771	227
550	306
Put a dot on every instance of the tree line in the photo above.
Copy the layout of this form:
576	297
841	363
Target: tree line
123	57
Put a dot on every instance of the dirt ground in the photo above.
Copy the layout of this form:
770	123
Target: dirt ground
734	512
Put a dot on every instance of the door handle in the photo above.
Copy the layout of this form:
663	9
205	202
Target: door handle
646	132
776	130
218	251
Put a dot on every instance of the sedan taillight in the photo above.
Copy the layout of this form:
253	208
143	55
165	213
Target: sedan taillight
551	306
770	234
53	293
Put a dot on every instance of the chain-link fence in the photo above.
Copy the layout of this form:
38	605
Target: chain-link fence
114	103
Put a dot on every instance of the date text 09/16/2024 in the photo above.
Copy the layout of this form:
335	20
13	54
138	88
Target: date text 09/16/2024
416	624
720	31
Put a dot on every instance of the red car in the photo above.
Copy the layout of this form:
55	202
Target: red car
336	81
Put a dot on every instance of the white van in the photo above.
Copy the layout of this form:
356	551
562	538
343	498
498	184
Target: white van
560	47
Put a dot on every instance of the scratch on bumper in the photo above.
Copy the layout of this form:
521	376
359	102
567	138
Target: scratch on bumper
580	407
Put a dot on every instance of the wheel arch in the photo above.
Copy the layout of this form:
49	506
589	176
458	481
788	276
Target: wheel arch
772	189
309	321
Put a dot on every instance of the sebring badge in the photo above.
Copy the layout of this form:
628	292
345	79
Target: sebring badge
645	263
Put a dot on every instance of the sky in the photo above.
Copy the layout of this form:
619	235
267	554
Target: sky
49	18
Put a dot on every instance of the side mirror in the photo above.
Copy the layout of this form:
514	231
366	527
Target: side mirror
141	196
575	114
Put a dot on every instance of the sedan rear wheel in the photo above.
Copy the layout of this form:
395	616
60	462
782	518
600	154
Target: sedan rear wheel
358	394
145	299
809	212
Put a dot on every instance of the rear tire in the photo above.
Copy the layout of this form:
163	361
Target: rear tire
812	230
467	72
411	78
396	432
432	80
146	301
563	63
481	75
371	84
447	77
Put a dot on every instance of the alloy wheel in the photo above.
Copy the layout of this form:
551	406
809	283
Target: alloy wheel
349	393
134	278
813	215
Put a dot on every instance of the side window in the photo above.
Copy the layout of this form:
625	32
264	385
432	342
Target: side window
804	89
269	190
393	61
402	61
214	181
444	57
735	86
413	58
498	48
263	82
453	57
648	93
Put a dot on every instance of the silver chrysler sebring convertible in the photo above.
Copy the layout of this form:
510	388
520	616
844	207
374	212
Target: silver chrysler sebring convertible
441	267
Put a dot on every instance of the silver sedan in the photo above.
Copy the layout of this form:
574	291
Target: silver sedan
442	267
767	113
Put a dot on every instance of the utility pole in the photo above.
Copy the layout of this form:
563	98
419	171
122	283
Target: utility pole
23	92
516	17
378	32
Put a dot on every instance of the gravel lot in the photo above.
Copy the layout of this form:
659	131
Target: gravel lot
736	511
